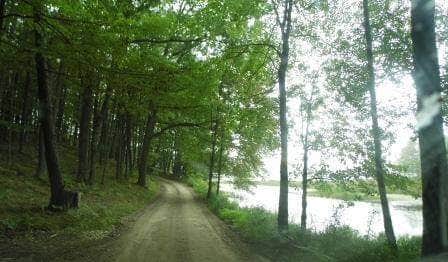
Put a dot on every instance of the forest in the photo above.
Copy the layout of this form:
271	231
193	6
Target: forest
128	128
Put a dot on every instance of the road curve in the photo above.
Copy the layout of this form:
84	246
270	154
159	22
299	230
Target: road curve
177	227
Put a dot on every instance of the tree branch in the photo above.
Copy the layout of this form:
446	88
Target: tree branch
176	125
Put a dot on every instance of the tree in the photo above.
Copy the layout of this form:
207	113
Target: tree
57	198
376	132
430	127
284	21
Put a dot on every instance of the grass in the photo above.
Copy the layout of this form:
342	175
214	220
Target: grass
23	199
259	227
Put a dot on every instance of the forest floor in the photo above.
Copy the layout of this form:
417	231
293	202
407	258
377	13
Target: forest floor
178	227
29	232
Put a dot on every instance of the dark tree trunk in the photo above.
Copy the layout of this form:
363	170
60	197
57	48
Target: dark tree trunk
41	164
62	90
128	145
379	168
212	158
285	26
119	153
431	138
220	156
99	117
26	111
144	152
84	131
56	183
2	13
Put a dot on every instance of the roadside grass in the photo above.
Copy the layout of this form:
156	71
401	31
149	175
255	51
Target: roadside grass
24	197
259	227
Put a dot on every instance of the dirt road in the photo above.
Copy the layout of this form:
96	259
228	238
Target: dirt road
177	227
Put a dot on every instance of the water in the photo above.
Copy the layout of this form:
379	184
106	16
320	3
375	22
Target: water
365	217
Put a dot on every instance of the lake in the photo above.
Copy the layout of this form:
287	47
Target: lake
365	217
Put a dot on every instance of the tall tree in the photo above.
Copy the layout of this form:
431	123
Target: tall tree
430	127
146	144
84	128
46	115
376	132
285	23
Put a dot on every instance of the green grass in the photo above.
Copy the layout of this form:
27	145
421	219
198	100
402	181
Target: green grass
23	199
259	227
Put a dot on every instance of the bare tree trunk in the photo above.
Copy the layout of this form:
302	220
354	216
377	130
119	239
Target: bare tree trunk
26	112
119	152
62	95
2	13
212	158
220	159
431	138
144	152
379	168
84	131
285	26
41	165
220	155
128	145
99	117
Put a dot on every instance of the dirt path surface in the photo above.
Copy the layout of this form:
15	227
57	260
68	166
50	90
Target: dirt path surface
177	227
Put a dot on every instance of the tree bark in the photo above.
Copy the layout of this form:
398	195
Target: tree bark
84	131
282	218
119	153
2	13
98	121
56	182
62	93
305	168
212	158
26	111
144	152
431	138
128	145
220	155
41	164
379	168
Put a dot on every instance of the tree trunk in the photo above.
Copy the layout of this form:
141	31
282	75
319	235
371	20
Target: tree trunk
62	90
41	165
99	117
2	13
119	152
128	145
144	152
220	155
431	138
220	160
379	168
282	218
56	183
84	131
212	159
26	112
305	168
304	187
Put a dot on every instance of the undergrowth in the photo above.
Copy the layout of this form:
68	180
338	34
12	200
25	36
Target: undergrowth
23	198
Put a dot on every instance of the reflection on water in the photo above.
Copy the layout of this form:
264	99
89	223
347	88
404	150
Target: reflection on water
365	217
